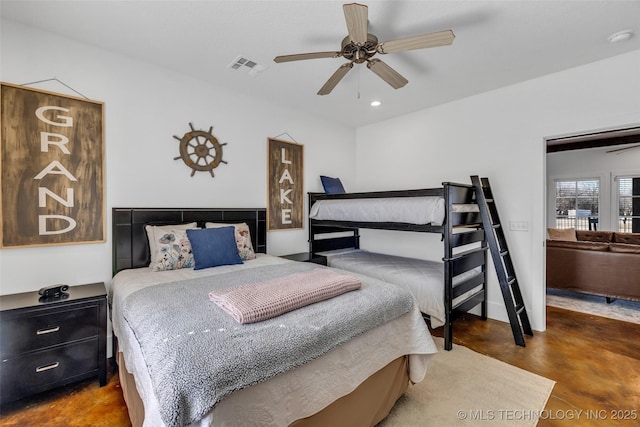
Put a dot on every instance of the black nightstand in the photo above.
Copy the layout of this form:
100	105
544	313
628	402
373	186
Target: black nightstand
47	344
307	257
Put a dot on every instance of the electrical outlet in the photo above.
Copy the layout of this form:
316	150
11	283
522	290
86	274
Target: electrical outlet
519	225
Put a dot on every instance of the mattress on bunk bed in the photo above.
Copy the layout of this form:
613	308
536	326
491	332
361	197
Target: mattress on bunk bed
408	210
424	279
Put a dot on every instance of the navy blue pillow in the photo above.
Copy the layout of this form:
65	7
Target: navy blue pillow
213	247
332	185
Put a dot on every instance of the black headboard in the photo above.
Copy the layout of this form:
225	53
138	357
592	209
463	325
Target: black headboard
130	244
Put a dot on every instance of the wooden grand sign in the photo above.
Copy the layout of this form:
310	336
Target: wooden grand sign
284	177
51	168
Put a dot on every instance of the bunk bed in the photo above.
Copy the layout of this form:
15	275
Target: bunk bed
450	210
398	349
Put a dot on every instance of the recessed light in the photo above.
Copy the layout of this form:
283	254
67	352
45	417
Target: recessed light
375	103
620	36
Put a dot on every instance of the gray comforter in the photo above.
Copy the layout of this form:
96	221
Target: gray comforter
197	354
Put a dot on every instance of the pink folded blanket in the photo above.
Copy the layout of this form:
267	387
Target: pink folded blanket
261	301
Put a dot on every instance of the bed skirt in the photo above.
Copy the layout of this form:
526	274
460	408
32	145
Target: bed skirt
381	390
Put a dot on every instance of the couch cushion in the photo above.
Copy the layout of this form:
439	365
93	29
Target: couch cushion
624	248
594	236
587	246
628	238
567	234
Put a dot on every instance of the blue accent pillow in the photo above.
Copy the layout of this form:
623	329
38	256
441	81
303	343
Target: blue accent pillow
213	247
332	185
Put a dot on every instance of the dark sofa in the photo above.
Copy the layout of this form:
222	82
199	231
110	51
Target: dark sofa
602	263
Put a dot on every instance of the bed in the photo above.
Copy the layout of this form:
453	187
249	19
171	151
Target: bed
323	380
442	290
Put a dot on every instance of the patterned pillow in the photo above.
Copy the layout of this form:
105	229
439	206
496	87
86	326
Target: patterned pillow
150	229
171	247
243	238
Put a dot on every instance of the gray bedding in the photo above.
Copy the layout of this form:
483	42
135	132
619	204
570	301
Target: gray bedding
424	279
197	354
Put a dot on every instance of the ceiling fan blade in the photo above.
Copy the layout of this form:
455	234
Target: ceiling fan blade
357	16
335	78
623	148
387	73
302	56
441	38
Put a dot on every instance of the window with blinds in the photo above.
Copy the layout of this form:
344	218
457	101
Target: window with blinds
577	203
628	204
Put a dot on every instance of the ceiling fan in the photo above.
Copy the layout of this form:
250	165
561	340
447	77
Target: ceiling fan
360	46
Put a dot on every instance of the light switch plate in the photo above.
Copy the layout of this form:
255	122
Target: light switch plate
519	225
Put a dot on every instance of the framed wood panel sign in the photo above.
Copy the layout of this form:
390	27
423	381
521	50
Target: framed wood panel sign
284	177
51	168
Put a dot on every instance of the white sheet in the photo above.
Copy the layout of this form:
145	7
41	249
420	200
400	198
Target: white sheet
424	279
291	396
408	210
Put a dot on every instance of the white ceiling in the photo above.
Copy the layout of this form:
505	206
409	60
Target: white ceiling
497	43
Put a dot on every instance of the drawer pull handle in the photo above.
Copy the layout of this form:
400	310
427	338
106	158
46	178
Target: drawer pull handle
47	367
48	331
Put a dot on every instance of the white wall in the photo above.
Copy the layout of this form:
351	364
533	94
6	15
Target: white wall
144	107
592	163
500	135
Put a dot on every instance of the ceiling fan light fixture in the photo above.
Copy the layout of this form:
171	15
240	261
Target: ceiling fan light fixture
620	36
360	46
375	103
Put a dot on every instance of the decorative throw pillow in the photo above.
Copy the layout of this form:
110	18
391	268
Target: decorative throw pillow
151	229
332	185
213	247
172	249
243	238
568	234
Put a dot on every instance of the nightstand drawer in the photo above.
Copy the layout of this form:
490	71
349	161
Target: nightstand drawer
37	331
41	370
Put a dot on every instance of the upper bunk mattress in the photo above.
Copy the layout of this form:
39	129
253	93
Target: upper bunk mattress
408	210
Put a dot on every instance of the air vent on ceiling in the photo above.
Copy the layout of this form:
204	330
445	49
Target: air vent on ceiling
242	63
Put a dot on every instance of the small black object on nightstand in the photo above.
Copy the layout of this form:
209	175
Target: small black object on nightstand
53	291
307	257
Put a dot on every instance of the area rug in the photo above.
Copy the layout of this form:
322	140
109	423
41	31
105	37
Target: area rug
465	388
619	309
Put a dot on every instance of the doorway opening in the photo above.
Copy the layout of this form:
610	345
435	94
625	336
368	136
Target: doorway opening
592	182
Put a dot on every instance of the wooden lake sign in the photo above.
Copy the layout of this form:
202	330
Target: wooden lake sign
52	168
285	208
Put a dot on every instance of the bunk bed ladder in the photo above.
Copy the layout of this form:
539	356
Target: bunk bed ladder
502	261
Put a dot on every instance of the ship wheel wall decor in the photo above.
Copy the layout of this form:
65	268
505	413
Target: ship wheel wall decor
200	150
